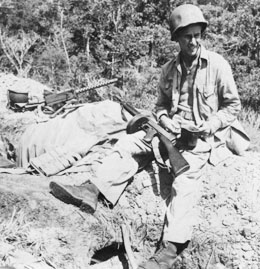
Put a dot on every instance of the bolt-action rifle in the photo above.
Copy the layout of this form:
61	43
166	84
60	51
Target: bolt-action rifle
56	100
152	128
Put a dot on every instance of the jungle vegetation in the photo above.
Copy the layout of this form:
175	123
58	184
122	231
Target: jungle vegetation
69	43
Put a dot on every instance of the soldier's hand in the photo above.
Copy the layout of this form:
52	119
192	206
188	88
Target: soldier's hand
204	130
172	125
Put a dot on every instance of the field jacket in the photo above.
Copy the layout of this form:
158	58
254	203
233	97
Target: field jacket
215	93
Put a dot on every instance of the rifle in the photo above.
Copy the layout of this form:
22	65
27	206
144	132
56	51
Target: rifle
56	100
147	123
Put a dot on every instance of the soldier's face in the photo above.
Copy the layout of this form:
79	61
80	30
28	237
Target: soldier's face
189	40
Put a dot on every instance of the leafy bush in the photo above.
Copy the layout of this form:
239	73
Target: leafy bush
83	39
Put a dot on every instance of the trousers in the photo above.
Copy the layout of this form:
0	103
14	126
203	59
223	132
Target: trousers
116	169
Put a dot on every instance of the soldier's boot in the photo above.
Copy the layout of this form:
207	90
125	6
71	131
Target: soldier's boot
164	258
84	196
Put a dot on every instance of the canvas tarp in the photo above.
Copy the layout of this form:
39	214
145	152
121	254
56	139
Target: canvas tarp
50	146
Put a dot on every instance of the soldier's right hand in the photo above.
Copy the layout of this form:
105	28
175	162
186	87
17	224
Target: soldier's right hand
172	125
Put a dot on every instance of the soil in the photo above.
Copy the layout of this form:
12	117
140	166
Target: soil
65	237
51	234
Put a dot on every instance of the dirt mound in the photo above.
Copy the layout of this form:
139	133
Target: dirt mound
229	230
13	124
10	82
64	235
226	237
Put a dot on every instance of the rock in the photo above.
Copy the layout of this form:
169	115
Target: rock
228	221
246	247
254	266
248	255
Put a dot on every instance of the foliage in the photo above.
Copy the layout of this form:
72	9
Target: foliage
50	65
81	40
17	49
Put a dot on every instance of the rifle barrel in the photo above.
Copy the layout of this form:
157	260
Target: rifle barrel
130	109
98	85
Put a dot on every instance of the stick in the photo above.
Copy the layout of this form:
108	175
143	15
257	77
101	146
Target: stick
129	252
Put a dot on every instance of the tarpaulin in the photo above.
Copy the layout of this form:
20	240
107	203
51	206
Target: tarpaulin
57	144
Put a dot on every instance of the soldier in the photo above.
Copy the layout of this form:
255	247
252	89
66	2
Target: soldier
197	93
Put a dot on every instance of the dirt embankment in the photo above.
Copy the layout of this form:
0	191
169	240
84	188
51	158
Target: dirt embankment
226	237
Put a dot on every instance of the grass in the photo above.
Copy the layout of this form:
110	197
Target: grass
17	245
250	120
15	230
14	235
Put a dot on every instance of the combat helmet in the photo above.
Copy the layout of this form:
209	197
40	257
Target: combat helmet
185	15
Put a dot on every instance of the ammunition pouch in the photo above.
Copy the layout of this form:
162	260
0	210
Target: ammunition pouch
54	161
188	140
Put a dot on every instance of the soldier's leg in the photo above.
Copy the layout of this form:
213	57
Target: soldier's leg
181	214
110	177
181	209
123	163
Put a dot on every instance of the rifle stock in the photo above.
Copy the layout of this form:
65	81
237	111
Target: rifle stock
178	163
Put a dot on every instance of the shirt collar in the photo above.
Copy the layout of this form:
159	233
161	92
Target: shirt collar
203	56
